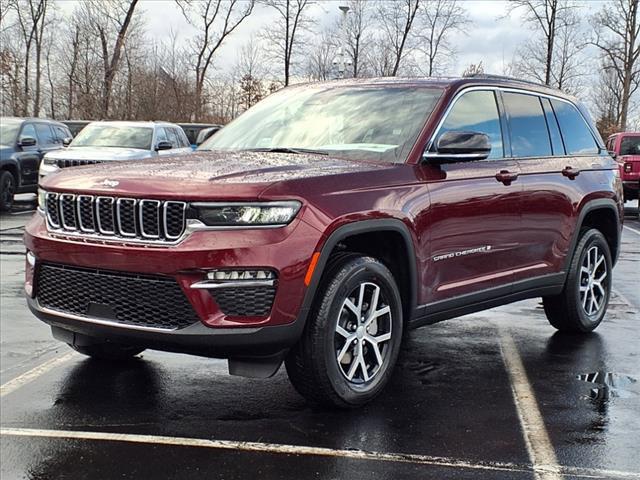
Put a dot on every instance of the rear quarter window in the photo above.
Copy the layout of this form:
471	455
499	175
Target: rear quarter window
577	137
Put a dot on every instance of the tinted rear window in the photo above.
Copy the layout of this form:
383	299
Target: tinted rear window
529	134
630	146
575	132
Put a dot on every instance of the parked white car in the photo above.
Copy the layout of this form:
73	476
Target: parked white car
101	142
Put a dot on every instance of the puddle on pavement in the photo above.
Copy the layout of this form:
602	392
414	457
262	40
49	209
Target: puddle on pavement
609	385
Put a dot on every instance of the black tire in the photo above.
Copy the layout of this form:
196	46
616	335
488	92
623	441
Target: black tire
567	311
108	351
312	364
7	190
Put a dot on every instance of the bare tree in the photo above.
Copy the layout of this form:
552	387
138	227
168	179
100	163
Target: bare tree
110	18
438	19
284	35
473	69
216	20
618	38
564	70
358	33
321	57
546	16
396	21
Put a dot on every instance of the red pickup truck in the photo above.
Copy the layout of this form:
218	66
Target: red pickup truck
626	147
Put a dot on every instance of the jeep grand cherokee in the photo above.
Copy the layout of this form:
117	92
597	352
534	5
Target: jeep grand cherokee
326	221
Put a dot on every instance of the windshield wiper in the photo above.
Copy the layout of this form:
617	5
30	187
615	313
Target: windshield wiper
287	150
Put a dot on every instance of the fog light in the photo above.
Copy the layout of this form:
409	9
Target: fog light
235	275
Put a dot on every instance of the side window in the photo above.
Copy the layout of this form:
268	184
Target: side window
171	135
62	133
28	131
182	138
45	134
161	136
529	134
477	112
554	129
576	134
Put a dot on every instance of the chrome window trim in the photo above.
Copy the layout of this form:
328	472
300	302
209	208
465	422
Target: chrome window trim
100	229
164	218
119	222
158	217
61	198
93	213
496	88
55	200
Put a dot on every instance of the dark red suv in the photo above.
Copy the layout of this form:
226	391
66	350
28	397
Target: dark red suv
325	222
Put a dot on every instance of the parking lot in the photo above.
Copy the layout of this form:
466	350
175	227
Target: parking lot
498	394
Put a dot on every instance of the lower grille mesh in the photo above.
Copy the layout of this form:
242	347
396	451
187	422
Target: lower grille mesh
245	301
146	301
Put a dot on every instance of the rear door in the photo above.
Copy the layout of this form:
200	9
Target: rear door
557	153
474	210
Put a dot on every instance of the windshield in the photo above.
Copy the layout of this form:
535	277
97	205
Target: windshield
373	123
114	136
9	131
630	146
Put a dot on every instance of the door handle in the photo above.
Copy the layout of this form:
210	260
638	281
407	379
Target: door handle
506	177
570	172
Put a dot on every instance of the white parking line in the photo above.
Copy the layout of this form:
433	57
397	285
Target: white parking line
536	437
29	376
632	229
275	448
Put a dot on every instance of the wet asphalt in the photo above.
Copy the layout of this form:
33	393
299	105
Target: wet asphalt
449	412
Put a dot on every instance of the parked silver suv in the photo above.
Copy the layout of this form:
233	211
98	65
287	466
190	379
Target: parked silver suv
101	142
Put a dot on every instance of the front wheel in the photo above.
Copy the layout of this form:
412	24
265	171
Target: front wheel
583	302
352	338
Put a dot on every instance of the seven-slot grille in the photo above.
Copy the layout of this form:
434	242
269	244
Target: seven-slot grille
63	163
117	217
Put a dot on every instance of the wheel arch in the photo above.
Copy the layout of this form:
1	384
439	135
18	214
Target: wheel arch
604	215
353	234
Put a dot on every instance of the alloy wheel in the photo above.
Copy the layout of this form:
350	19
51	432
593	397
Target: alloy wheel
593	281
363	333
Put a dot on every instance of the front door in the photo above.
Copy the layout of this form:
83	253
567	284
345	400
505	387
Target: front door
474	210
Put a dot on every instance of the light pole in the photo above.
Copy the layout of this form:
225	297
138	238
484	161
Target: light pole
341	58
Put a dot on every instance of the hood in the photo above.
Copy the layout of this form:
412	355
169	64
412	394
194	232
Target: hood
103	154
202	174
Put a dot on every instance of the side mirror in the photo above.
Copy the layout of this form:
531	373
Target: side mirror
164	146
460	147
27	142
66	141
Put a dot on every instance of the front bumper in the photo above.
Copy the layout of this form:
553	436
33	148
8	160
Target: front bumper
286	250
196	339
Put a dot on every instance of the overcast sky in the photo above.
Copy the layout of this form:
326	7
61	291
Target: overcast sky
491	39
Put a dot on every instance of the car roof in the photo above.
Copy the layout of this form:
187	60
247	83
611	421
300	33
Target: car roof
454	83
33	119
122	123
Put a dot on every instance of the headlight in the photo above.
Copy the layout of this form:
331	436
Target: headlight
42	199
246	214
49	161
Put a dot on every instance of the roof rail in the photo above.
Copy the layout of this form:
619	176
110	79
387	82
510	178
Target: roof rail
504	77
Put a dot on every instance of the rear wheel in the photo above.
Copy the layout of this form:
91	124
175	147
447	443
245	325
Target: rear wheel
351	342
108	351
583	302
7	190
